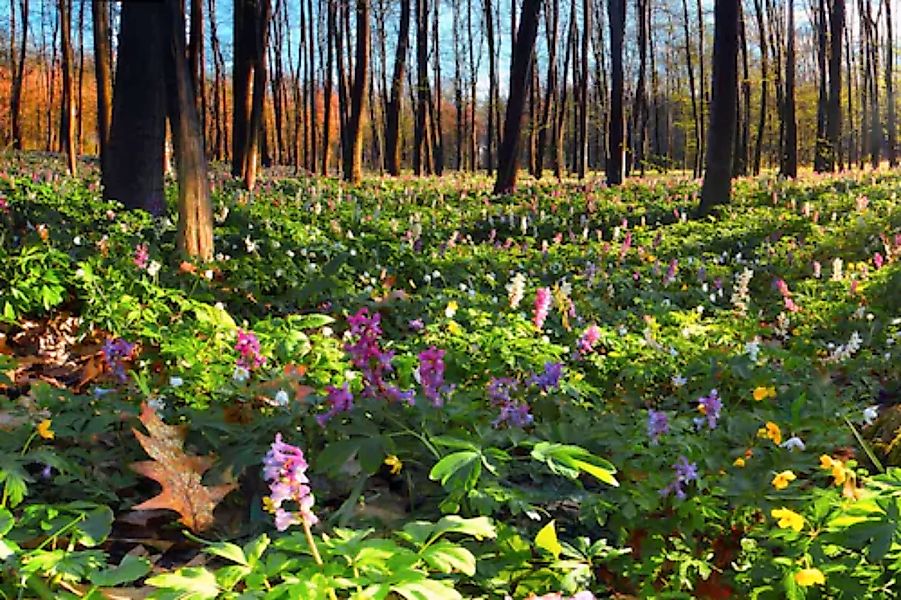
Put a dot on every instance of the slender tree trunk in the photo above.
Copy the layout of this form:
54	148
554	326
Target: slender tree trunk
890	87
492	85
519	83
19	80
821	154
702	86
764	87
560	116
717	187
103	73
435	108
695	104
353	166
67	105
458	88
79	109
552	21
392	117
329	92
790	153
834	110
615	143
196	60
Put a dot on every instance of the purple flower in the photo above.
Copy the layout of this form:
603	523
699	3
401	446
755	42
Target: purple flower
685	472
367	355
514	414
339	400
431	374
658	425
501	389
709	406
549	379
115	352
416	325
542	306
284	468
627	243
248	346
671	272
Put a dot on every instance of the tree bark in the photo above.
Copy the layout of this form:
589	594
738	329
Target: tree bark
329	79
67	103
392	117
821	158
196	60
19	80
519	84
615	147
764	87
717	187
353	165
834	110
251	23
790	152
695	104
890	88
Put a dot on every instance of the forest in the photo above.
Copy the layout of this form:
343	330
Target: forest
446	299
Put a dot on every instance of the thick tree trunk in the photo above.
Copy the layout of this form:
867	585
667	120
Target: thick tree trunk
790	152
834	110
133	169
392	117
67	104
615	142
353	166
717	187
196	60
519	84
195	217
251	25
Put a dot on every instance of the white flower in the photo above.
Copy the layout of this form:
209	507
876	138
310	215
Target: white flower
250	244
516	289
327	331
77	240
153	268
281	398
157	404
176	381
752	349
793	443
870	414
241	374
208	274
679	381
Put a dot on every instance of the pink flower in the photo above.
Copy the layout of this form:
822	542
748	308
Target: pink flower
542	306
589	338
141	256
285	467
248	346
878	261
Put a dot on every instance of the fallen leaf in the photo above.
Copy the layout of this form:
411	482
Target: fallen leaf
178	473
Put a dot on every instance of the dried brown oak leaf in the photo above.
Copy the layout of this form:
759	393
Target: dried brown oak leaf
178	473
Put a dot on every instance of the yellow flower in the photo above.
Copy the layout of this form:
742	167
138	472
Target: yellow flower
454	328
739	462
394	463
809	577
762	393
836	466
451	309
781	480
770	431
788	518
44	429
268	504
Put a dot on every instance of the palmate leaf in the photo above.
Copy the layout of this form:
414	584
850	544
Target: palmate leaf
178	473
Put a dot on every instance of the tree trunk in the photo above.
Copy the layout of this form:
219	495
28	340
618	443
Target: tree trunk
392	118
834	110
519	84
890	87
353	166
790	153
329	78
717	187
695	104
422	86
195	217
764	87
251	24
552	22
615	147
436	104
19	80
821	158
196	60
133	169
492	85
311	163
67	104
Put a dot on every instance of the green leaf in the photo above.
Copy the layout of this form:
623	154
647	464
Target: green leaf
130	569
96	526
195	581
599	472
228	551
477	527
445	468
311	321
228	577
448	557
426	589
547	540
6	521
254	549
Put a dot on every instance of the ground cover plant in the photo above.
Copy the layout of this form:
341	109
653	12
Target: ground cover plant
410	389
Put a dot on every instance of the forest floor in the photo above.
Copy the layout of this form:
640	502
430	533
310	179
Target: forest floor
571	389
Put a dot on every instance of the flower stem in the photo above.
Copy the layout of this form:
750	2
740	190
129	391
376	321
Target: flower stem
317	558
